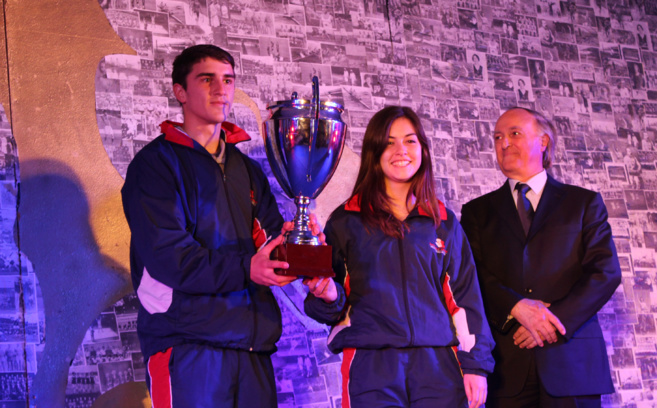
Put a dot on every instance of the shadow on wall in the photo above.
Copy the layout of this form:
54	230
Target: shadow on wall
76	280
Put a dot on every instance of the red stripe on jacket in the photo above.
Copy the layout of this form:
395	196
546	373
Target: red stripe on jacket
259	235
452	307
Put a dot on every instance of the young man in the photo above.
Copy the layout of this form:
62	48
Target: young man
203	219
546	263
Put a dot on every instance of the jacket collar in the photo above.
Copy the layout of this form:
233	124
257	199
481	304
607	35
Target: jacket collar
172	133
502	201
353	204
553	195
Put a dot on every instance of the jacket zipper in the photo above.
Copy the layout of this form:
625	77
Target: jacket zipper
252	295
405	289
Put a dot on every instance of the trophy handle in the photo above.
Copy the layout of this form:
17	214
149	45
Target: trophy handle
314	114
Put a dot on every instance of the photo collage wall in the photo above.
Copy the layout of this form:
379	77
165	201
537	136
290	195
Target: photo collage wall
22	317
589	65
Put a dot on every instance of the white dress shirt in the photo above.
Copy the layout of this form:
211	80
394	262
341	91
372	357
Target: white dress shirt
536	185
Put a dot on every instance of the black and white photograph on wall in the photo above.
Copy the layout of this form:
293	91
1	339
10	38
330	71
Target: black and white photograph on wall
546	30
522	88
616	208
323	355
128	305
293	346
103	329
498	63
359	119
484	136
622	357
643	36
84	380
637	75
616	173
529	46
15	358
468	111
447	111
354	98
557	71
104	352
130	341
310	390
567	52
647	362
631	54
518	65
590	55
482	41
138	366
468	19
449	71
294	367
563	32
114	374
507	99
583	95
586	36
488	108
420	64
484	90
464	129
13	387
501	82
477	67
140	40
466	148
443	137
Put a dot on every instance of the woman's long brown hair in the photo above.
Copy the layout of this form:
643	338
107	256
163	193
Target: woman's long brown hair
375	205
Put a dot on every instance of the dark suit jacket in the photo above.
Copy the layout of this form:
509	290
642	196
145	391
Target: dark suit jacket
569	260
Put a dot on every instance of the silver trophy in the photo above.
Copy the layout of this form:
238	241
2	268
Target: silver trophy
304	141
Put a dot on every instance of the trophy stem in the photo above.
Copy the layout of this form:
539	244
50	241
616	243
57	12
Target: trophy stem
302	234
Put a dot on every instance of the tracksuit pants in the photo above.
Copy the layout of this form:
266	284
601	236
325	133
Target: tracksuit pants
198	376
422	377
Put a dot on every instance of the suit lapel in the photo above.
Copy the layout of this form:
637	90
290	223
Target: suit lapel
552	195
502	202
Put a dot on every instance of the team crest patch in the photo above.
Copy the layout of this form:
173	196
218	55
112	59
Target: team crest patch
439	246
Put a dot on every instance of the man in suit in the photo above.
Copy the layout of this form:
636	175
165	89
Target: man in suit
546	267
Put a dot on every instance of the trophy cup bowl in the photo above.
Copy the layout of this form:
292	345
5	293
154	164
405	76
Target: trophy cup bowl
304	141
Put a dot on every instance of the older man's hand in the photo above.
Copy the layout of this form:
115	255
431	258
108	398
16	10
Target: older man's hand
538	320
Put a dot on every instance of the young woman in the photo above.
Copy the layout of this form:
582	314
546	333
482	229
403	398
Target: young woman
405	304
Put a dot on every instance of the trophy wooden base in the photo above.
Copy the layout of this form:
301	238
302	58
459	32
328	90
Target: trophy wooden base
304	260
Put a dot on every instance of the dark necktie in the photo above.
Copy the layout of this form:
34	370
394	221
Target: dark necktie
525	209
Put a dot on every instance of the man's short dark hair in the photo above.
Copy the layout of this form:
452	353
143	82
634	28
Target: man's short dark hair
184	62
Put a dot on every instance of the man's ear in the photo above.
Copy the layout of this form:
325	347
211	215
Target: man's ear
180	93
545	140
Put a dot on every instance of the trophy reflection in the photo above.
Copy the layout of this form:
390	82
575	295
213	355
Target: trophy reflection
304	141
